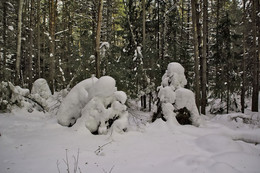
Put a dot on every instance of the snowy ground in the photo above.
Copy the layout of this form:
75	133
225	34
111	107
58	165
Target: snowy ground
35	142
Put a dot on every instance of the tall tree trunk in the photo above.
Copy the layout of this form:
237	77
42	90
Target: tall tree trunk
204	58
244	59
44	59
30	58
255	60
143	19
19	39
98	35
258	62
196	53
52	45
38	73
3	61
144	35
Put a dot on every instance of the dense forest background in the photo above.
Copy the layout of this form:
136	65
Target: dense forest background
67	41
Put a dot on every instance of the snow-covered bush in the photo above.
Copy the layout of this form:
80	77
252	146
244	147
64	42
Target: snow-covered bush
174	101
77	98
11	95
40	93
218	106
41	87
98	106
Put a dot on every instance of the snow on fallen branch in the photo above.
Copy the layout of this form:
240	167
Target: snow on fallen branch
252	136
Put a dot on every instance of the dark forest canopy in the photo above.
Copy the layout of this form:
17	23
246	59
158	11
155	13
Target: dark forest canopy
216	41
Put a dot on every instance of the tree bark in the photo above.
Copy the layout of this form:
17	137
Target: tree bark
143	15
30	58
196	53
204	58
52	45
38	73
143	20
254	107
19	39
3	61
244	60
98	35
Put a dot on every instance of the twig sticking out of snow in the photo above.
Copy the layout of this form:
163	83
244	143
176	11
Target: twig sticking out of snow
109	170
100	148
66	161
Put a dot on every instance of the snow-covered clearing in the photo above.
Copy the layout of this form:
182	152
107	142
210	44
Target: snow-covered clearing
35	142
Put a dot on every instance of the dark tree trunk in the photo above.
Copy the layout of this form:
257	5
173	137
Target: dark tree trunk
30	58
38	73
52	45
19	39
98	36
196	53
204	58
3	61
244	60
255	60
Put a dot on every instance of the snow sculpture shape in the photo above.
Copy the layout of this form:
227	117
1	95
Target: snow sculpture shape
106	108
97	105
41	92
41	87
173	97
77	98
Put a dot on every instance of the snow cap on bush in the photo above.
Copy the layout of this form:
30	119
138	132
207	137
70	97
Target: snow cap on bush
41	87
104	87
175	73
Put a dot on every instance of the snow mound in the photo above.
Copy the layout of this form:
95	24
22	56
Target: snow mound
95	104
174	100
239	120
104	87
77	98
174	75
41	87
12	96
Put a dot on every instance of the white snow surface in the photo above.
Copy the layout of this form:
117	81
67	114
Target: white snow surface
34	142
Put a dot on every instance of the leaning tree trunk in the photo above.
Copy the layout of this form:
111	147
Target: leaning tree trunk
98	35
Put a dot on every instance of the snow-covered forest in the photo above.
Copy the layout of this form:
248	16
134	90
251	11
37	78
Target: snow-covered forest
118	86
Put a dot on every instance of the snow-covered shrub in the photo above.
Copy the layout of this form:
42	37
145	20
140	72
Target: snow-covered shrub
41	87
218	106
77	98
5	96
174	101
40	93
98	106
12	95
106	108
239	120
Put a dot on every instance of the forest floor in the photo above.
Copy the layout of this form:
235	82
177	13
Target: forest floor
35	142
